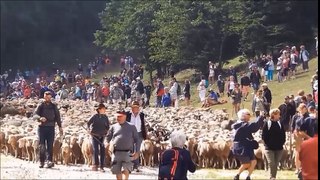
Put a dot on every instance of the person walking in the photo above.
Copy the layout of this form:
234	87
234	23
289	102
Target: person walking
202	91
121	137
186	92
267	94
176	162
297	120
258	103
255	79
49	116
308	155
236	96
243	142
304	58
274	137
245	85
137	118
98	126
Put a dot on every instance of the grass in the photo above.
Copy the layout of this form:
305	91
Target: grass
279	90
229	174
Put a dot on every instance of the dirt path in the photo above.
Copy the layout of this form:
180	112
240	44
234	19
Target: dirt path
12	168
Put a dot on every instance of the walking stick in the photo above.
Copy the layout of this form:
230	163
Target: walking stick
93	135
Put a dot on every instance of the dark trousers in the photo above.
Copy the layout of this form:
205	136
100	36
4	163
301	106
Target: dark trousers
159	98
305	65
98	147
46	138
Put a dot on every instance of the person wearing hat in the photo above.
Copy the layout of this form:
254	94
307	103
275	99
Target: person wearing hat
267	94
136	118
122	136
97	92
49	116
139	89
116	94
98	126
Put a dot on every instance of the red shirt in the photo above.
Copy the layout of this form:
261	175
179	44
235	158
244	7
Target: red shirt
309	158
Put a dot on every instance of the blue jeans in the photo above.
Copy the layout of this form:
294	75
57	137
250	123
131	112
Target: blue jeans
270	75
98	146
255	86
136	163
46	138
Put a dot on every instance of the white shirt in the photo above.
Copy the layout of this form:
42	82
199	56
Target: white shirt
269	124
136	121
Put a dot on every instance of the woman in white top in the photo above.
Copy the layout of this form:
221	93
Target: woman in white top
202	91
211	73
270	64
230	86
258	104
173	93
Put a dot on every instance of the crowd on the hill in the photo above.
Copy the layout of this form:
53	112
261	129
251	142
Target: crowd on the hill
296	114
128	84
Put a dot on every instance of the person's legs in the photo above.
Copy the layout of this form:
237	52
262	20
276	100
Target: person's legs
95	159
277	157
125	174
42	147
242	167
270	75
50	140
119	176
137	148
102	153
252	166
270	155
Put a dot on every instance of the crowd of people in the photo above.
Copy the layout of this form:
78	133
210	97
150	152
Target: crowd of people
296	114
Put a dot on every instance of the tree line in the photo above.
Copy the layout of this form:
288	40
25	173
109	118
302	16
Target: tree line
190	33
157	33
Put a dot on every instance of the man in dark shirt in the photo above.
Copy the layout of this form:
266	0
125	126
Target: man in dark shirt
233	72
245	85
267	94
99	125
255	79
49	115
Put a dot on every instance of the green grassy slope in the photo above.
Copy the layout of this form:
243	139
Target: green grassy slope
279	90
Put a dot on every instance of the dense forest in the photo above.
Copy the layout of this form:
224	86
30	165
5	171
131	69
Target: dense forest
190	33
157	33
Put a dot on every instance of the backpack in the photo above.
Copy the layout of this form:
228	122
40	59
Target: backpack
179	90
206	83
167	171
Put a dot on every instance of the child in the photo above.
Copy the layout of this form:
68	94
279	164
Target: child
166	99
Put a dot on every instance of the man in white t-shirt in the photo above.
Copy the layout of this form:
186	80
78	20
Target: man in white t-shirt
211	73
136	118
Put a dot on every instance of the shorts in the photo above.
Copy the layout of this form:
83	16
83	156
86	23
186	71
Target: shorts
245	89
293	67
121	161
